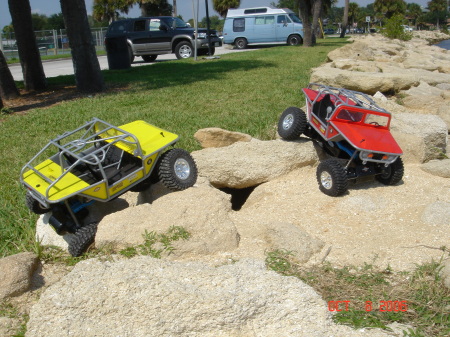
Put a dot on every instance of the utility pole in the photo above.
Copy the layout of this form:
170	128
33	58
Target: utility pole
175	14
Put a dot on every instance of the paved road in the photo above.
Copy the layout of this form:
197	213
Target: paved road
65	66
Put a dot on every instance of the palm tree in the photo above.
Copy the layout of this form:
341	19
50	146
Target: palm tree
345	19
222	6
30	59
88	76
437	7
108	10
8	87
353	12
388	8
414	11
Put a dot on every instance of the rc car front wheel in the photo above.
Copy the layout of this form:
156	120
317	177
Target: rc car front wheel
177	169
292	123
392	174
34	205
332	178
82	239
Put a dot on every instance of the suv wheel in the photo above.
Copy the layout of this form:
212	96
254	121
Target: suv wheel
183	50
332	178
292	123
392	174
149	58
177	169
130	54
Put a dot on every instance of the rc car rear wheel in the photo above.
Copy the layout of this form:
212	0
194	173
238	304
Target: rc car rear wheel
177	169
292	123
332	178
35	206
392	174
82	239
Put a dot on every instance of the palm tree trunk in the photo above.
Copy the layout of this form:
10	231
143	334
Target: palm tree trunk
30	59
304	7
88	76
345	19
8	87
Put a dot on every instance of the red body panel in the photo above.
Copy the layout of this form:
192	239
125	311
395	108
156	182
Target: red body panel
369	138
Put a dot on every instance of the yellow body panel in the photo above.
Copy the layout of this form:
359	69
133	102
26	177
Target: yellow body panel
150	137
66	186
126	182
97	191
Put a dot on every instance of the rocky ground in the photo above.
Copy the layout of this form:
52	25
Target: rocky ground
254	196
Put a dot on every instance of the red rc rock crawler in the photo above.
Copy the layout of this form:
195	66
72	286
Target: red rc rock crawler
352	129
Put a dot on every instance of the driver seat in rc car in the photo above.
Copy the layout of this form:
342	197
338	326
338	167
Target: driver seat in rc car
323	108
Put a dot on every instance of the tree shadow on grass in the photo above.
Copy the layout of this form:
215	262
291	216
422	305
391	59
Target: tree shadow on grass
168	74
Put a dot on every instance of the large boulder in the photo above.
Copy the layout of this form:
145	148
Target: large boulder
421	137
439	168
201	210
16	273
217	137
148	297
242	165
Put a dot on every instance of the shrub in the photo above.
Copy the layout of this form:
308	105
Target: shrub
395	30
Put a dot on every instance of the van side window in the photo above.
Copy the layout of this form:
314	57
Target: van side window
139	26
255	10
265	20
239	25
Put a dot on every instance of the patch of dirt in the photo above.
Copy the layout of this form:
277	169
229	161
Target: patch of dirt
42	99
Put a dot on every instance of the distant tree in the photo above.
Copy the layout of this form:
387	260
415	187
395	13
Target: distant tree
353	12
39	21
345	19
214	23
88	76
56	21
414	12
291	4
438	9
30	59
305	8
155	8
388	8
108	10
222	6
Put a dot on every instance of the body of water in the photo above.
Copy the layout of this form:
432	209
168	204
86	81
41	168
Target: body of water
444	44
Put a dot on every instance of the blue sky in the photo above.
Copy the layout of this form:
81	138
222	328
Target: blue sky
49	7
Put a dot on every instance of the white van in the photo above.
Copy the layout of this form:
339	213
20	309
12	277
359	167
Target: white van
262	25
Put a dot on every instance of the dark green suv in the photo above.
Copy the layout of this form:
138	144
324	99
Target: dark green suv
149	37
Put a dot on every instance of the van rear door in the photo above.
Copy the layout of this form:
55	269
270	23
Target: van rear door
284	27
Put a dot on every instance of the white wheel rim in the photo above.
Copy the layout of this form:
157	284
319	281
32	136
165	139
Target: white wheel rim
326	180
288	121
182	169
185	52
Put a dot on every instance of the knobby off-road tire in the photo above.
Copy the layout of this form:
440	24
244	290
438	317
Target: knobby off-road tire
292	123
82	239
332	178
177	170
392	174
34	205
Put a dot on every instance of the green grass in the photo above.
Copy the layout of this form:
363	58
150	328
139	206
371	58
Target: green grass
243	92
424	300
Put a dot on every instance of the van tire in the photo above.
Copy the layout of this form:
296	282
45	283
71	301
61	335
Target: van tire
295	40
240	43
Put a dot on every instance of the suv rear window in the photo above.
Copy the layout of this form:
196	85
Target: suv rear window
117	27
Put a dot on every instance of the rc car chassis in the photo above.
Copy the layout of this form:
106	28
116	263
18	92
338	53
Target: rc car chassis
354	132
99	162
